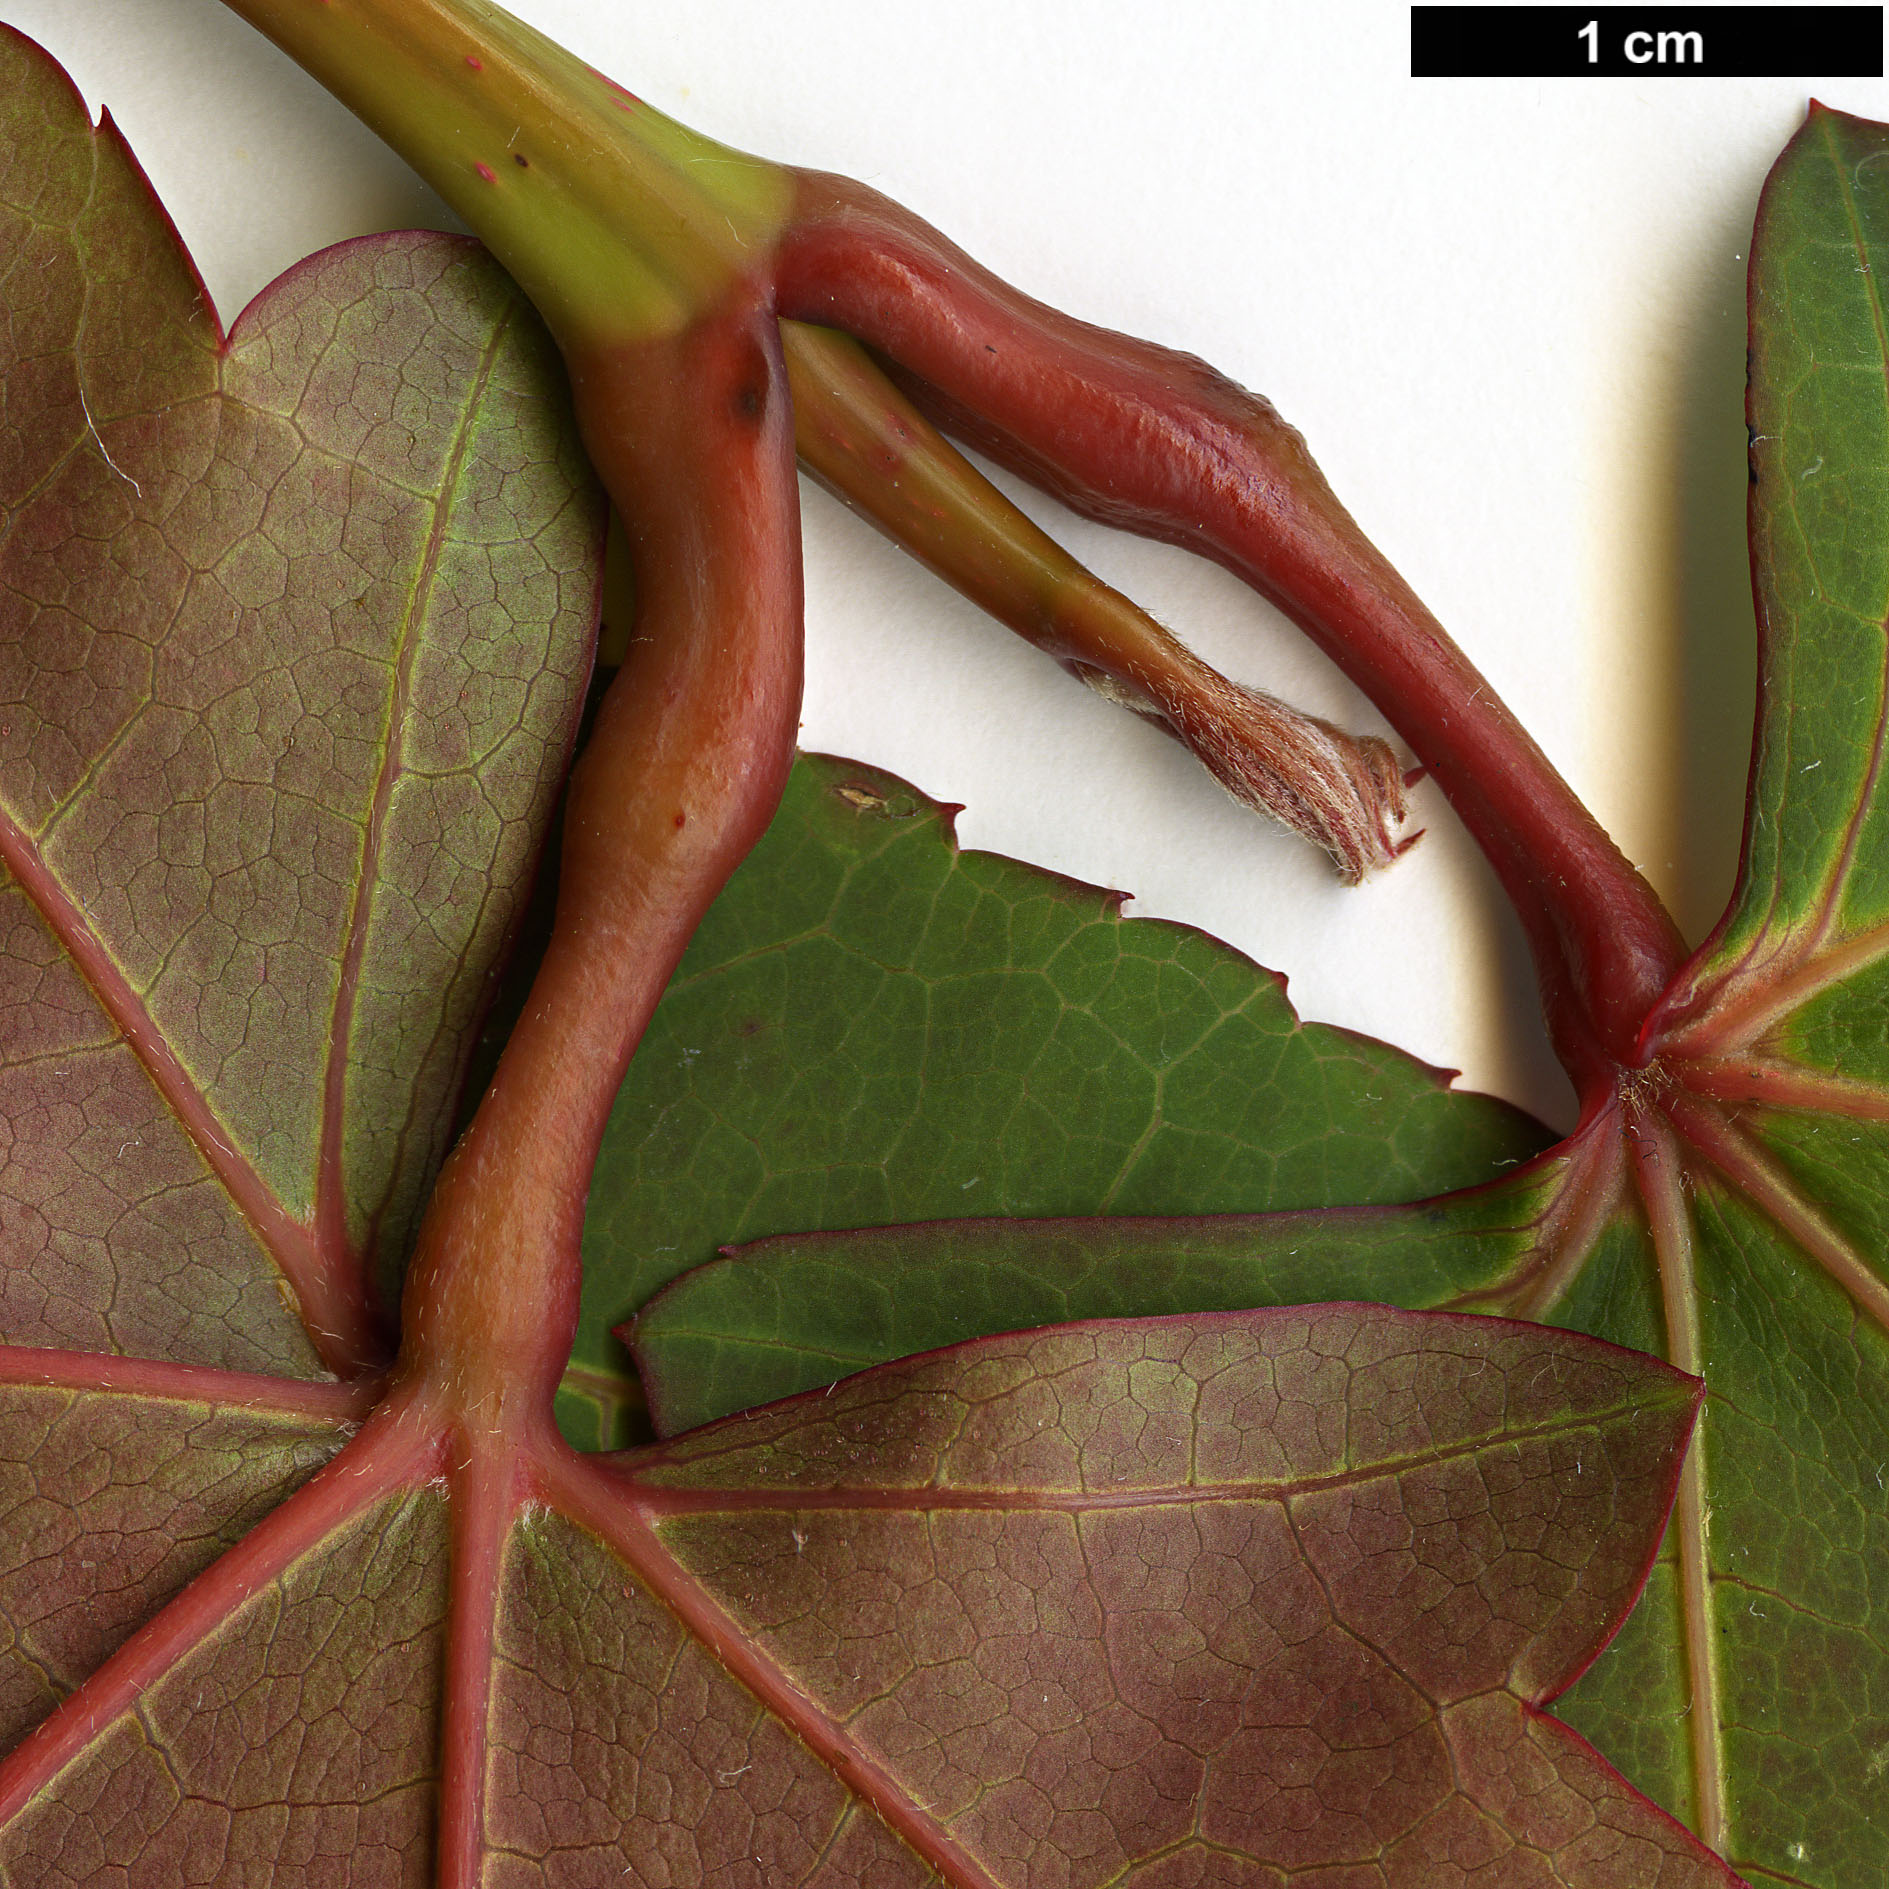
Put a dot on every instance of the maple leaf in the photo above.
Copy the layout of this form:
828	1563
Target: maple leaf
1721	1200
1267	1592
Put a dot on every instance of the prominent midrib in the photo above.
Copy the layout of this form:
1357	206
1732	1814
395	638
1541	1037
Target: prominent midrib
1583	1196
331	1207
662	1502
335	1319
1746	1166
1745	1003
486	1492
1656	1163
101	1373
1767	1082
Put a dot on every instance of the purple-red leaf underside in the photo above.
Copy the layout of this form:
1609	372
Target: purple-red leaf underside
294	625
1245	1597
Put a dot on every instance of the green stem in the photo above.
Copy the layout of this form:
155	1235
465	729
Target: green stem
619	223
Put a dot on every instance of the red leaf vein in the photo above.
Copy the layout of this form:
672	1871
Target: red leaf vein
332	1302
612	1511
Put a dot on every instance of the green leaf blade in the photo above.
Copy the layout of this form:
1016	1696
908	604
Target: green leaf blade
796	1312
1800	1532
872	1026
1819	414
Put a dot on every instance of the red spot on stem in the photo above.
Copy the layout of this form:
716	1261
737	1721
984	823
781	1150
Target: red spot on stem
622	91
487	172
475	62
682	820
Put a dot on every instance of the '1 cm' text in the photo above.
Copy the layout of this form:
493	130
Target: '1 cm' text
1644	48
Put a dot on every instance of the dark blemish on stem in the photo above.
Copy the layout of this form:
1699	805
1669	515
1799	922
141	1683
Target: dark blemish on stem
751	370
682	820
521	160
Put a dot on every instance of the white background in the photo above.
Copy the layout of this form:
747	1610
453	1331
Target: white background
1507	314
